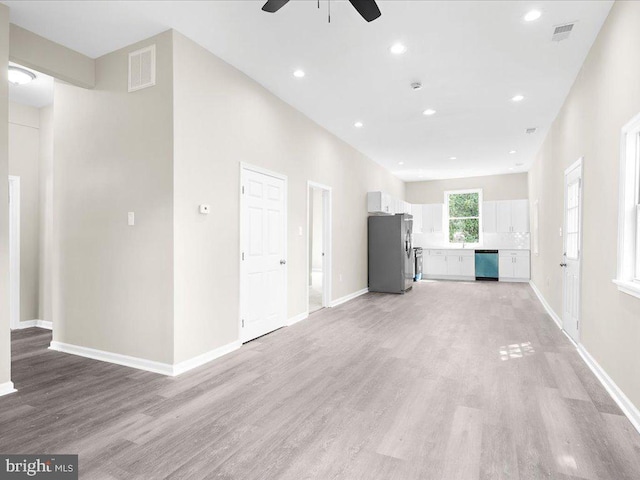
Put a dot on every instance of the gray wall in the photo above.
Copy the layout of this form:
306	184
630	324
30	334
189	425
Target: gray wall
222	118
605	96
5	336
113	284
494	187
24	152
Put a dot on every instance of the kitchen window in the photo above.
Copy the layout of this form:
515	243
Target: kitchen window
628	275
463	209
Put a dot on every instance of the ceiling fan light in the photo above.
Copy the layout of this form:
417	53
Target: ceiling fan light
20	76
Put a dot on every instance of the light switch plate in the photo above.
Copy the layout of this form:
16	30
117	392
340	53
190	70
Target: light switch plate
131	219
204	209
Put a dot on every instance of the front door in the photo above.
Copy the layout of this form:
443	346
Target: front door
572	250
263	296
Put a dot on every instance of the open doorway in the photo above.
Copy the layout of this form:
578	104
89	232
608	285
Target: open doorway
319	248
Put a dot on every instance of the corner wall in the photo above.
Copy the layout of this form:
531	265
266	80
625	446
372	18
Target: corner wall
46	212
605	96
112	283
223	118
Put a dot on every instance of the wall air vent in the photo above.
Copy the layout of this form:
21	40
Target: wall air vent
562	32
142	68
531	130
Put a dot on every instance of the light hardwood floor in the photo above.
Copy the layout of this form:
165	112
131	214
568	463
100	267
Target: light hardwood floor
452	381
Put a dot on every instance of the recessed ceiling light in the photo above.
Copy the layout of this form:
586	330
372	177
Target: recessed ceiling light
512	152
532	15
400	163
453	158
429	112
511	168
518	98
358	124
398	48
20	76
299	73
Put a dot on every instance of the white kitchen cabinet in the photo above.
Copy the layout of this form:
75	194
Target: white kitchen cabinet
461	263
514	265
432	217
468	266
512	216
379	202
416	211
520	216
436	263
450	264
489	219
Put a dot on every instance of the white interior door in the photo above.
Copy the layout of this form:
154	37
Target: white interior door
264	223
572	249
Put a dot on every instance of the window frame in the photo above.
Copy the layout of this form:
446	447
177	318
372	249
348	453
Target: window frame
628	272
447	218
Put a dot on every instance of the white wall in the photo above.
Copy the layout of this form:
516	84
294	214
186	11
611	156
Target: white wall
5	336
24	150
605	96
222	118
113	284
46	213
494	187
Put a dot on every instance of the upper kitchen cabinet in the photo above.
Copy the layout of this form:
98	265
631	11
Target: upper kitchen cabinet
489	218
432	217
512	216
380	202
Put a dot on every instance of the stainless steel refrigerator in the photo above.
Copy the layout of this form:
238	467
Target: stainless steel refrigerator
390	253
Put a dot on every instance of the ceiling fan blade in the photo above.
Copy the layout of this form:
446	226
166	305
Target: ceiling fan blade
273	6
367	8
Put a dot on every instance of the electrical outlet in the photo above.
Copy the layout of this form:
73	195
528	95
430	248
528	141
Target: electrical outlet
300	231
131	219
340	277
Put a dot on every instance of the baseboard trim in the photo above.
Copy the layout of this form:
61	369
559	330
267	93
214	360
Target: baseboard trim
546	305
297	318
109	357
7	388
627	407
143	364
35	323
346	298
182	367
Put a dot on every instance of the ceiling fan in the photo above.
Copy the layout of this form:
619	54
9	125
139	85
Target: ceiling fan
368	9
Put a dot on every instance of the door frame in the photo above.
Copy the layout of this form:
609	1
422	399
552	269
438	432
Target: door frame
244	167
577	164
14	251
326	241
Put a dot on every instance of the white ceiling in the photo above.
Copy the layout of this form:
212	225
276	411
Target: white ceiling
37	93
471	57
